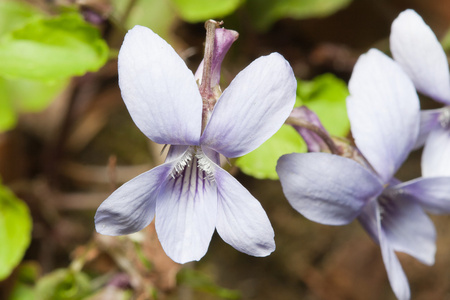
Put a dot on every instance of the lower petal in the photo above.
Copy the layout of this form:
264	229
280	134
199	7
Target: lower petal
241	220
186	213
406	226
436	154
132	206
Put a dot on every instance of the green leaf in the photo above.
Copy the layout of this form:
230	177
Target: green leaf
22	95
261	163
26	276
264	13
15	231
14	14
63	284
155	14
201	282
201	10
326	96
8	117
49	49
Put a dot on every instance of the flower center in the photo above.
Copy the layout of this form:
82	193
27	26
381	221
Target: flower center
194	157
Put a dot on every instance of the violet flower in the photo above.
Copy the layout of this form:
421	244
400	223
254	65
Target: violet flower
383	109
190	195
415	47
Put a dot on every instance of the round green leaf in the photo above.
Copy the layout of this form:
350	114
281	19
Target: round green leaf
261	163
326	96
49	49
201	10
15	231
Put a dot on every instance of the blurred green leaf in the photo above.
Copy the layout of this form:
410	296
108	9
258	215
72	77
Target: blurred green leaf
15	231
158	15
326	96
63	284
261	163
14	14
49	49
8	117
27	275
201	10
266	12
202	282
22	95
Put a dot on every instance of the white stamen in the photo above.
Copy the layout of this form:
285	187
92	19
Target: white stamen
202	162
184	161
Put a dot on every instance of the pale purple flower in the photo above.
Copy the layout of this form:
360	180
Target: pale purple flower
190	195
383	109
415	47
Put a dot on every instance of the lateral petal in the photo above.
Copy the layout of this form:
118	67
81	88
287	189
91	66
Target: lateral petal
186	214
415	47
131	207
429	120
241	220
383	109
326	188
158	89
432	193
252	108
406	226
436	154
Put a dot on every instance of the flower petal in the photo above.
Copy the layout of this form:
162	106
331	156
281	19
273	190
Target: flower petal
326	188
415	47
186	214
406	226
396	275
132	206
436	154
383	109
429	120
252	108
241	220
432	193
158	89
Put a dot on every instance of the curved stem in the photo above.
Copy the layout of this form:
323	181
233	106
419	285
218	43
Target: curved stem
317	130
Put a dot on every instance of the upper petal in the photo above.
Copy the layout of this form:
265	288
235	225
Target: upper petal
432	193
252	108
415	47
241	220
158	89
406	226
383	109
436	154
186	213
132	206
326	188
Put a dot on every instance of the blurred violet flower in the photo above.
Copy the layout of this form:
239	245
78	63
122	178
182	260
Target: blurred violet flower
415	47
383	109
190	195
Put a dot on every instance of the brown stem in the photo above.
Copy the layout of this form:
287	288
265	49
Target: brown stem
317	130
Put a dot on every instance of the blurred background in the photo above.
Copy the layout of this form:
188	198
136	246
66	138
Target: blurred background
67	141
